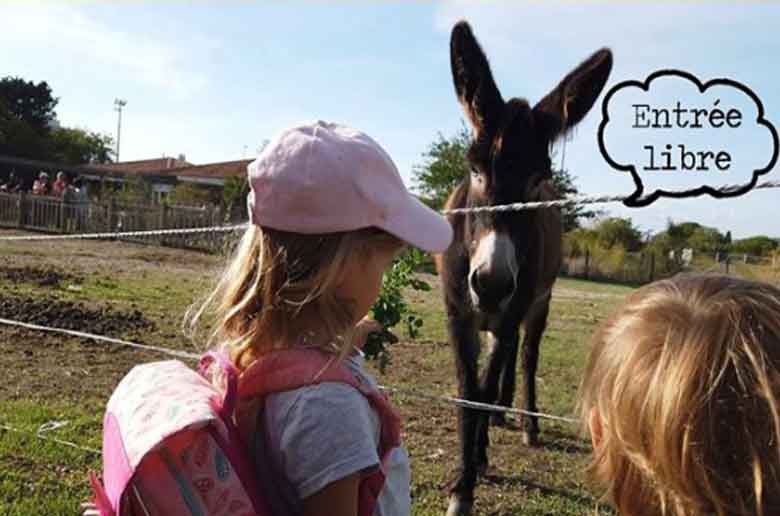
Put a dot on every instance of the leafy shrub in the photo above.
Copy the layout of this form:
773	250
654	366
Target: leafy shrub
391	309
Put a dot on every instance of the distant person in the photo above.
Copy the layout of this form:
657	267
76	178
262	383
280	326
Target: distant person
76	196
12	185
60	185
682	399
41	185
79	190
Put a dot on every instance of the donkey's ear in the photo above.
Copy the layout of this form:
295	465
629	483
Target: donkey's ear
474	84
571	100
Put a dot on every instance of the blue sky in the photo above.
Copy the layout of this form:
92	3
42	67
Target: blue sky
211	80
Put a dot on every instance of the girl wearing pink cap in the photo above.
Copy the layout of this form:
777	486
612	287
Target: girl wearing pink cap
329	213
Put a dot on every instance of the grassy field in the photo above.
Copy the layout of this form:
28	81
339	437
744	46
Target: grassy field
140	293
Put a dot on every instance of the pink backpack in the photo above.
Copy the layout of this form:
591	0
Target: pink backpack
171	444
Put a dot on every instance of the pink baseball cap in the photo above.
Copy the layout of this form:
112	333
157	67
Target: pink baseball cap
326	178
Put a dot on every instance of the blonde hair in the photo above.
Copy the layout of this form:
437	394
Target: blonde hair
271	278
685	378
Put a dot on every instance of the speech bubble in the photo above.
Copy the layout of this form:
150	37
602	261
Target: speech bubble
679	137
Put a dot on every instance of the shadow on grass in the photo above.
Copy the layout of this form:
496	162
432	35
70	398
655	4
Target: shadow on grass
518	481
564	442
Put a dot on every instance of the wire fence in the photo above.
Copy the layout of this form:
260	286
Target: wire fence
49	427
61	217
468	404
503	208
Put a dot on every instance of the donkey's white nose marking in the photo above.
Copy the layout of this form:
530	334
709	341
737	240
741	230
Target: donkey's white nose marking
495	255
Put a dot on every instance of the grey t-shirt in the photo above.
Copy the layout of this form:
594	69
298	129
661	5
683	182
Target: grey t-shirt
322	433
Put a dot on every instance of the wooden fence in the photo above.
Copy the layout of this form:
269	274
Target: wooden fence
628	268
54	215
644	267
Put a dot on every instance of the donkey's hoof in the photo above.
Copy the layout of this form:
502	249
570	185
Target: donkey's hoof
530	438
482	468
459	507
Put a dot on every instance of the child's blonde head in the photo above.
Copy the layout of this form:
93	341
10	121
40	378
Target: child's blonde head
684	382
275	277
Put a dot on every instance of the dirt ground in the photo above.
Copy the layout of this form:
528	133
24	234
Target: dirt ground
140	293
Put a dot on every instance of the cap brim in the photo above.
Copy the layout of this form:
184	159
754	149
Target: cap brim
420	226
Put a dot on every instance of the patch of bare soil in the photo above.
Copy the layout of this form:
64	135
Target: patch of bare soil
47	366
86	256
61	369
41	276
73	316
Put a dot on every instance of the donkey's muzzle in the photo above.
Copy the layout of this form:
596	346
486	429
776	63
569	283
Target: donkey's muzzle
490	289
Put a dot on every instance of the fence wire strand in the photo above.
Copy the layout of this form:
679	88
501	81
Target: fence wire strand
126	234
576	201
462	403
41	434
448	400
519	206
102	338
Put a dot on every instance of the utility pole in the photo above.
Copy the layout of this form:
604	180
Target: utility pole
118	105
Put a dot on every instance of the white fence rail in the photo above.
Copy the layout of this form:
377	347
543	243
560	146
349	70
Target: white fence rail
55	215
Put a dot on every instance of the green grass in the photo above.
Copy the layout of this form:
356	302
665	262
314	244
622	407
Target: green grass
73	380
44	477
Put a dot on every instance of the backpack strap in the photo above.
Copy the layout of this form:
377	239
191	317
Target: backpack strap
230	395
294	368
291	369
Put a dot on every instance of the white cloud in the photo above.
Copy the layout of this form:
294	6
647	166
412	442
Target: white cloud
62	29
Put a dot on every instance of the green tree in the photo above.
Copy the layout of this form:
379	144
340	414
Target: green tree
444	166
29	102
234	191
18	138
578	240
78	146
707	240
690	235
572	215
187	194
614	231
135	190
26	128
758	246
675	236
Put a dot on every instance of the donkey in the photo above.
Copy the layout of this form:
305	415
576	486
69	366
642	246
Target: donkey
499	272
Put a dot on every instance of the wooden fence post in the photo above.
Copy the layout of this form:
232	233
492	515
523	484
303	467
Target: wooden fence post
162	220
587	263
652	267
61	219
22	207
110	214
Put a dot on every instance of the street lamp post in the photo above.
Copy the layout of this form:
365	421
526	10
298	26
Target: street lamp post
118	105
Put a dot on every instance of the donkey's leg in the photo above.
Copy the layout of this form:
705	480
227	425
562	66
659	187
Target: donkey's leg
465	341
508	376
535	324
489	389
